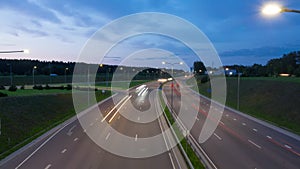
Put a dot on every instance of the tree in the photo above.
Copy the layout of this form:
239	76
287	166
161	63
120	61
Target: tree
199	68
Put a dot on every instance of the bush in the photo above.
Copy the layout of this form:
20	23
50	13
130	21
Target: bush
2	87
12	88
47	87
3	94
38	87
68	87
22	87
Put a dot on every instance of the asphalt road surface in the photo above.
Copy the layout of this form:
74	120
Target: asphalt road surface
71	148
238	142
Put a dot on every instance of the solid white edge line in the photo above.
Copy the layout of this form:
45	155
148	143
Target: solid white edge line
160	126
172	161
77	116
28	157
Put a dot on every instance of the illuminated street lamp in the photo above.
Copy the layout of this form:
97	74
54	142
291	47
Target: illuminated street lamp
16	51
172	67
34	67
274	9
66	69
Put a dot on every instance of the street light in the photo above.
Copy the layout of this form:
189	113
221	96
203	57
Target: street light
10	70
16	51
172	87
274	9
66	69
34	67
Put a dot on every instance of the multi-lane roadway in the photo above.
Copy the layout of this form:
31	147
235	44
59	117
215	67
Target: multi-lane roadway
70	147
239	141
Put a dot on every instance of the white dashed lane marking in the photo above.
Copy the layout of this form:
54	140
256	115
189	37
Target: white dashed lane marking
244	124
256	145
254	130
63	151
269	137
107	136
75	139
222	123
217	136
48	166
287	146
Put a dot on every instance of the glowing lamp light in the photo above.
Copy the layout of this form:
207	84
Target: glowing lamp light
26	51
271	9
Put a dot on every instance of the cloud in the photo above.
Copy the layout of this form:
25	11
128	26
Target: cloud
34	32
258	52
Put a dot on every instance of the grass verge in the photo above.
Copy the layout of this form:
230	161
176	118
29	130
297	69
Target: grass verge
275	100
23	119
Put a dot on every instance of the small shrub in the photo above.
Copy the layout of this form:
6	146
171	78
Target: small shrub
2	87
22	87
3	94
47	87
12	88
38	87
68	87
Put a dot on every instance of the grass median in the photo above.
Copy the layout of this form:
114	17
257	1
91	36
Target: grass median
186	146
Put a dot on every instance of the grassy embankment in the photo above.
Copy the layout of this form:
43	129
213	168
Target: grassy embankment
275	100
25	118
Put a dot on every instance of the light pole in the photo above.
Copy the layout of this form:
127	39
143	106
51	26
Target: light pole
16	51
238	91
121	68
50	80
272	9
10	72
34	67
172	85
66	69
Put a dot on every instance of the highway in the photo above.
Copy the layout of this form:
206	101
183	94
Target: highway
71	148
239	142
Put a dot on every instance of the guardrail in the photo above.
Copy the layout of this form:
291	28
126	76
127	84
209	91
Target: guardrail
191	140
177	140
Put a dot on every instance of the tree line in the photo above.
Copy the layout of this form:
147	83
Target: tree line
287	64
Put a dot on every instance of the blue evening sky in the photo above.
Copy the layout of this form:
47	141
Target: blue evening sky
58	30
